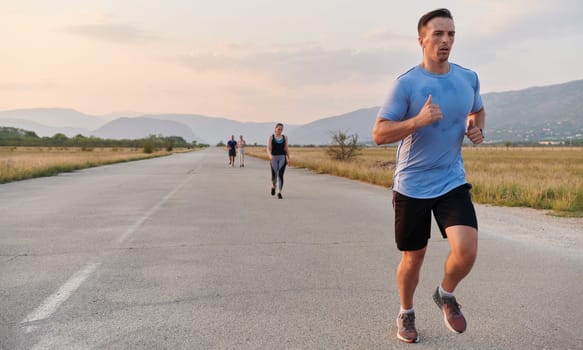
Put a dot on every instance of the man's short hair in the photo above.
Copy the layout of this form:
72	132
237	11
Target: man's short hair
431	15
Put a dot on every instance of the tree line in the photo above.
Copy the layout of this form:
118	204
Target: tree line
10	136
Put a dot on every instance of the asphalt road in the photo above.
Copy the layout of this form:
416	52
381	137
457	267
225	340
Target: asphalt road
184	252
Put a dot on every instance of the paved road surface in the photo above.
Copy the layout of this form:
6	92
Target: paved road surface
184	252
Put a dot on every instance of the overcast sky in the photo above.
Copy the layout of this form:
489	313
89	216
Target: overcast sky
265	60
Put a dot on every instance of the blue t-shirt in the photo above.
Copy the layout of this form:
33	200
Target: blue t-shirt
429	161
232	145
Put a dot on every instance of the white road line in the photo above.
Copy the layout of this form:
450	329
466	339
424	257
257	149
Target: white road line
50	305
150	212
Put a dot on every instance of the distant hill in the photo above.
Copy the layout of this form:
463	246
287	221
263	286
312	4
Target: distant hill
43	130
55	117
140	127
553	112
213	130
319	132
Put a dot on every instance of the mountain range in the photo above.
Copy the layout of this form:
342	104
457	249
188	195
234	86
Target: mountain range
553	112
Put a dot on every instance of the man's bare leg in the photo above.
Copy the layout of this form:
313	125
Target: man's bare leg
463	242
408	275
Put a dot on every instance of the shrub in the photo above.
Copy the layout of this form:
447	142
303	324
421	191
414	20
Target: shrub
148	148
344	147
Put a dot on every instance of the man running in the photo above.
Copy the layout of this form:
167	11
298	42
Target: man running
232	146
429	110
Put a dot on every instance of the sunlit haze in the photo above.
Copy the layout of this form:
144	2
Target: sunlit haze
258	60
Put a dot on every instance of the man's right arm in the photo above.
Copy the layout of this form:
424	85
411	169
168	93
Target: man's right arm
387	131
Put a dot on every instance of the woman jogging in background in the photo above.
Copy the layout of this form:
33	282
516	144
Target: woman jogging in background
278	154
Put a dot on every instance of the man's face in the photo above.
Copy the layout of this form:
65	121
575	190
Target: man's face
437	39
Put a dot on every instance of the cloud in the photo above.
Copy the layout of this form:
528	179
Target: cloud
317	66
113	32
303	66
534	21
384	35
483	40
27	86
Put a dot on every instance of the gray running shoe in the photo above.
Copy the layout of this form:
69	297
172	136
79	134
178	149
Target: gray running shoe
406	330
452	313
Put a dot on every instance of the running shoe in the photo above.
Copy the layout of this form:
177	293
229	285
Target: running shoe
406	331
452	313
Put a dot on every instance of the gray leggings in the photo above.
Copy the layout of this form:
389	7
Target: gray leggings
278	164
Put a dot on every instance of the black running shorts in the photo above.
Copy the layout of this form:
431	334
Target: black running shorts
413	216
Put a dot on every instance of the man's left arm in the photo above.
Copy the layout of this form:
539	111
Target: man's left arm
476	126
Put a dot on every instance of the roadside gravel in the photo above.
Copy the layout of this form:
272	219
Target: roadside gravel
531	226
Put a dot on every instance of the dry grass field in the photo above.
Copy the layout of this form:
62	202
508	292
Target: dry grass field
19	163
540	178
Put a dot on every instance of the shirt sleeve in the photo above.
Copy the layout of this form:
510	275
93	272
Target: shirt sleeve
478	104
396	104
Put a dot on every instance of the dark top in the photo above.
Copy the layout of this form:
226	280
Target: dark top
232	145
278	146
